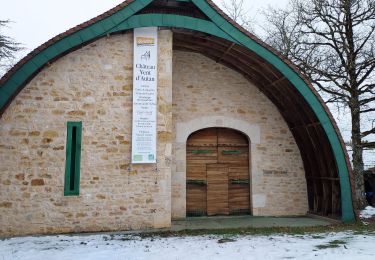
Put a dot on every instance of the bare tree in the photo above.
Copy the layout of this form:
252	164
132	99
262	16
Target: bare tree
235	9
333	43
282	31
8	48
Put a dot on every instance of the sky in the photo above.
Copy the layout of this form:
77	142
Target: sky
36	21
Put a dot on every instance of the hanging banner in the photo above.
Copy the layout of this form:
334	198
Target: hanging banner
145	95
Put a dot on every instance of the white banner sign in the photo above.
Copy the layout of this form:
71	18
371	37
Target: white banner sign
145	95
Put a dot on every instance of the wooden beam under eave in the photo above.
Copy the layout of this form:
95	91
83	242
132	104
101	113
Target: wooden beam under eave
222	56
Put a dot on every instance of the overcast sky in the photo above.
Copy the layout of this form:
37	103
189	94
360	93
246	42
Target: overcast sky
37	21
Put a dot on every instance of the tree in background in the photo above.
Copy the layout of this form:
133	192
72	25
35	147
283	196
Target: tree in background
333	43
8	49
235	9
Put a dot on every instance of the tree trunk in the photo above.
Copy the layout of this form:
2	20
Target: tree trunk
357	160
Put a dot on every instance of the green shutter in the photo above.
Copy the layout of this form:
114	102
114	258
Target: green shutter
73	158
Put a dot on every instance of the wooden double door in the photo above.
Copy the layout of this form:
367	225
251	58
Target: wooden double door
218	179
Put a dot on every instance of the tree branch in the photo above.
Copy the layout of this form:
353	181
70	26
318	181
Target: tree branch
367	110
369	132
368	145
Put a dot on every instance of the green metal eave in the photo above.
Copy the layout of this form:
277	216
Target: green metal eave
171	20
218	26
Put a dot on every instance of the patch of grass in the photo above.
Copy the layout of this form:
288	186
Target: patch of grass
105	238
367	231
225	240
326	246
337	242
357	227
126	238
109	238
332	244
50	248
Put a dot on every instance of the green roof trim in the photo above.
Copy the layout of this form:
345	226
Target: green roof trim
126	19
171	20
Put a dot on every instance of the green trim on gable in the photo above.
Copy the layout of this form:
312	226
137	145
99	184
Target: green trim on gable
73	159
171	20
218	26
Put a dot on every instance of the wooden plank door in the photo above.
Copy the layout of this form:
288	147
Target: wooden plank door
201	150
233	150
217	179
217	189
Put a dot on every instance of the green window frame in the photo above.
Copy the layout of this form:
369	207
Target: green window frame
73	158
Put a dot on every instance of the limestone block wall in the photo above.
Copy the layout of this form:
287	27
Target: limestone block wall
208	94
92	85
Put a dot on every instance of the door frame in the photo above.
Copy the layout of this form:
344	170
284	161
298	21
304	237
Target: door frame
204	139
184	130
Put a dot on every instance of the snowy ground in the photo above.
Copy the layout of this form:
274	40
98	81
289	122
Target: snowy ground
342	245
368	212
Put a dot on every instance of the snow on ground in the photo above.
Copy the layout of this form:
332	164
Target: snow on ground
342	245
368	212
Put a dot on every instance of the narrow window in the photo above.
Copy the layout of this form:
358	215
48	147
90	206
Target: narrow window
73	158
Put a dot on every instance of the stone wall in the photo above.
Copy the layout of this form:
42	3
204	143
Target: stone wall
92	85
208	94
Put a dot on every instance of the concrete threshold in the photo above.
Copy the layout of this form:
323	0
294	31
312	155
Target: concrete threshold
233	222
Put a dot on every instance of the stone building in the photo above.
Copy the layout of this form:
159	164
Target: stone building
239	129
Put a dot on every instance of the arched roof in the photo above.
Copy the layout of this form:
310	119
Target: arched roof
200	26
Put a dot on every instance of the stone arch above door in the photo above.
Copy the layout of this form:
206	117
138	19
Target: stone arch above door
183	131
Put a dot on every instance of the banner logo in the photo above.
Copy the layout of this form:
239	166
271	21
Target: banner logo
145	41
